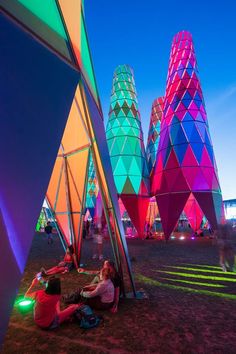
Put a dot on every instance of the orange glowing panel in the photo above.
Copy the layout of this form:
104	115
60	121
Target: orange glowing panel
71	10
54	182
75	135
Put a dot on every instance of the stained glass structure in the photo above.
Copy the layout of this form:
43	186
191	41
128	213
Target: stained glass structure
154	133
193	212
92	188
47	79
152	211
185	159
125	142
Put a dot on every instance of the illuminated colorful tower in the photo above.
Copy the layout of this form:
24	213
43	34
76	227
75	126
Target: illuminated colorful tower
92	188
126	147
185	160
154	133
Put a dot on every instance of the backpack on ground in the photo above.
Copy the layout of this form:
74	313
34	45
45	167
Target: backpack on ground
86	318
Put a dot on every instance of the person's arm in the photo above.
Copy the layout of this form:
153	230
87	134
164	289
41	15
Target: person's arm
89	287
88	272
30	293
98	291
114	308
58	310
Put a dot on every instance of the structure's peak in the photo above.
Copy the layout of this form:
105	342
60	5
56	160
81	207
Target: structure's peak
124	68
182	35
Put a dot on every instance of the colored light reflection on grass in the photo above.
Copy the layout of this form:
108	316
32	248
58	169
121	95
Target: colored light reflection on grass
202	265
188	275
194	282
202	270
151	281
24	304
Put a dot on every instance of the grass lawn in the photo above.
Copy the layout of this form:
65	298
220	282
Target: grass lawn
191	304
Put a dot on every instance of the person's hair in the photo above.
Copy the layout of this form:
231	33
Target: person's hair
53	286
106	273
71	249
112	267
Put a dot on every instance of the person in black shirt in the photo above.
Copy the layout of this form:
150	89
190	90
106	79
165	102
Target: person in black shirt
48	230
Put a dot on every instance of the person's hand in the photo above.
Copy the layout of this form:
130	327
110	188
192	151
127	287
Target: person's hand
114	309
80	270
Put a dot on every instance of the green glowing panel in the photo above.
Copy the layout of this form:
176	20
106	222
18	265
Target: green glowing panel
43	19
86	60
136	181
120	168
47	12
120	182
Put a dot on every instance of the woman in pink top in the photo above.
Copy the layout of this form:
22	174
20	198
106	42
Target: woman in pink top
100	296
47	313
69	263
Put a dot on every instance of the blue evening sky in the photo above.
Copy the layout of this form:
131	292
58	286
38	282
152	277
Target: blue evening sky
139	33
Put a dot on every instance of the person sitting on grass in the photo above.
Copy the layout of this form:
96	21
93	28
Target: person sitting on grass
100	296
114	276
47	313
69	263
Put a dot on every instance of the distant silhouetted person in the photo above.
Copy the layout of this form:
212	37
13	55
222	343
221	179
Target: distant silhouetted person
48	230
226	250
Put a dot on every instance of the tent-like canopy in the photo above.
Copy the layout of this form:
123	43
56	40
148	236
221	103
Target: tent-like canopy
47	80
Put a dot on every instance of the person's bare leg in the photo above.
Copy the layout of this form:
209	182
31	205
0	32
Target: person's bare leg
55	270
67	313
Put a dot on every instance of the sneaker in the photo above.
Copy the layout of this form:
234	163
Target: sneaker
223	268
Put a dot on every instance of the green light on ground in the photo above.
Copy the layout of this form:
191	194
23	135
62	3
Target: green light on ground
202	265
196	276
202	270
25	303
150	281
195	283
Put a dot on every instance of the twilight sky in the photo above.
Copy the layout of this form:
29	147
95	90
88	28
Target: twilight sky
139	33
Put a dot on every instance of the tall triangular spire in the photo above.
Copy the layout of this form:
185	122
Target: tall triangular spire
185	162
125	141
